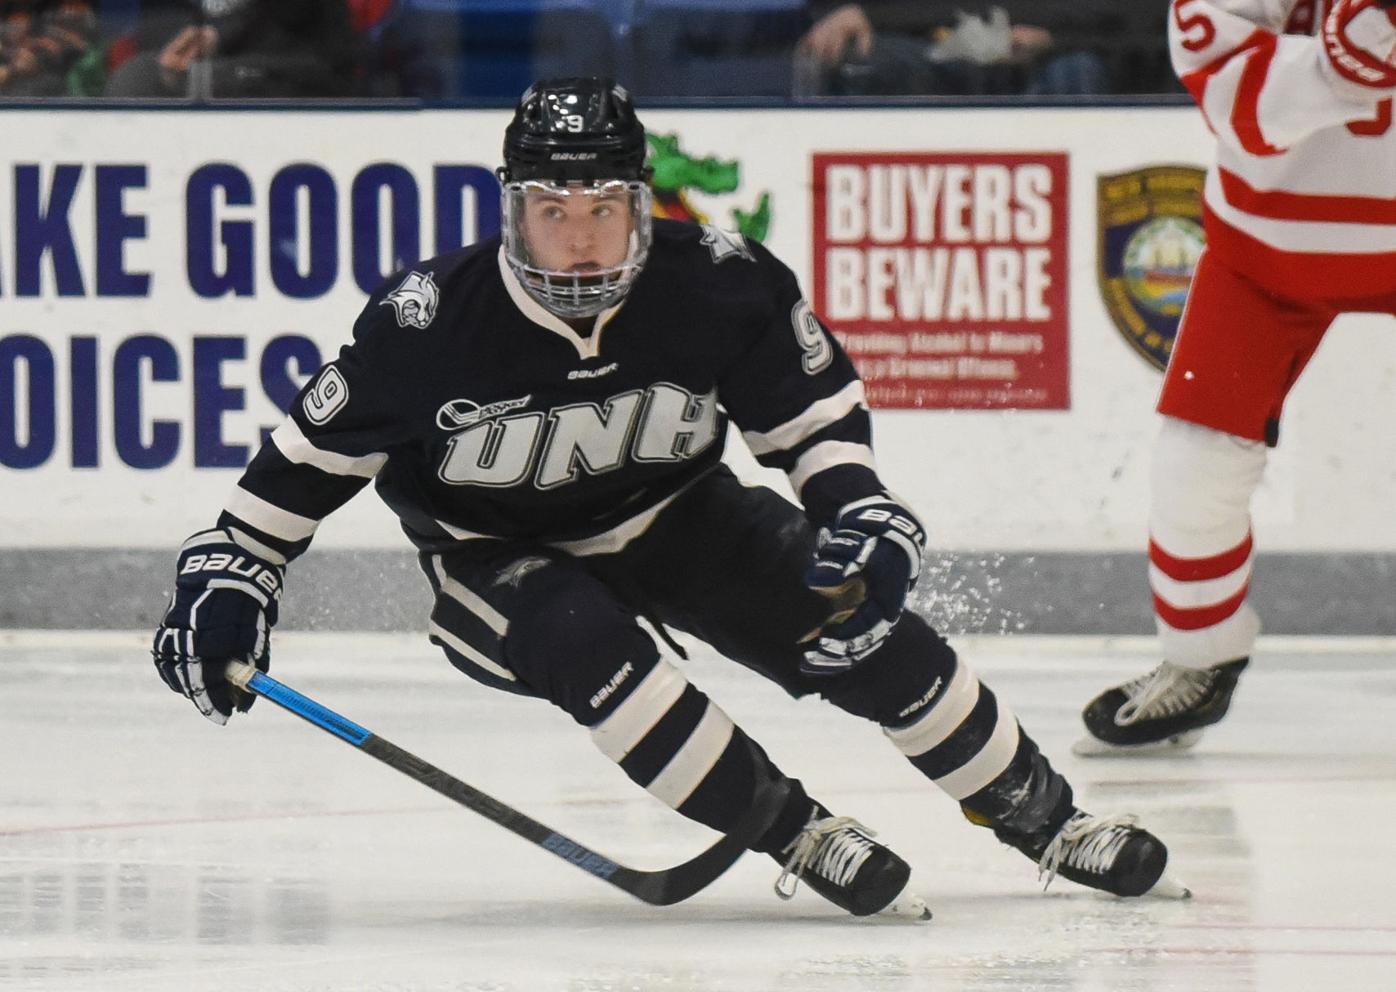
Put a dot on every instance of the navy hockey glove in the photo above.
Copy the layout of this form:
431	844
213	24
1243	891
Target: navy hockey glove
873	549
224	605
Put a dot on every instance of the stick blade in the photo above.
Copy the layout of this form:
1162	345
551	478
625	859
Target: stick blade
674	885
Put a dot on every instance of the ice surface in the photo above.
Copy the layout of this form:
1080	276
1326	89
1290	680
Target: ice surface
143	848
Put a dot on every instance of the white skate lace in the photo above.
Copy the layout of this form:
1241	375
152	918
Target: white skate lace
1166	691
1087	842
834	847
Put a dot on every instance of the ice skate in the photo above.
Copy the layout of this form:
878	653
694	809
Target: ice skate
1110	853
837	857
1163	711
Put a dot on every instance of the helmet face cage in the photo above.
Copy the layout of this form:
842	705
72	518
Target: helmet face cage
585	293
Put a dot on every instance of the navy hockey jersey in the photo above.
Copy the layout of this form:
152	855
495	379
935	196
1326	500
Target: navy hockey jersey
478	414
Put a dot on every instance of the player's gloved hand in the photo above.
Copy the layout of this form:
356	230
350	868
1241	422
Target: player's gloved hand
1359	39
224	606
865	566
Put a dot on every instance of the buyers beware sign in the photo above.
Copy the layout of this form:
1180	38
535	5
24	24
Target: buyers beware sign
944	276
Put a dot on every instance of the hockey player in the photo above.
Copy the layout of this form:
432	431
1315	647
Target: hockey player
1301	227
545	411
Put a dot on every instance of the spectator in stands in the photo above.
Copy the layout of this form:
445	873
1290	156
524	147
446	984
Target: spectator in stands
902	47
47	47
240	48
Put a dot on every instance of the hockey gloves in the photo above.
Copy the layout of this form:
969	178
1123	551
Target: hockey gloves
874	548
224	604
1359	38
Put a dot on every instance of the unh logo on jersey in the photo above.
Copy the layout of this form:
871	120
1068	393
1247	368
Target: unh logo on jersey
663	423
414	301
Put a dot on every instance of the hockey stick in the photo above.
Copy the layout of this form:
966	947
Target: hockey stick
658	888
844	600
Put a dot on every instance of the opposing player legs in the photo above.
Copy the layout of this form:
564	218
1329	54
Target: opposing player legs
1200	547
540	623
726	564
1239	351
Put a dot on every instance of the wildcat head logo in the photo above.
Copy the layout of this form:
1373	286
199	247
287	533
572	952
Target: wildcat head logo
414	301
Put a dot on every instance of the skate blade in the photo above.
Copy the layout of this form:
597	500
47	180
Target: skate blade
1090	747
1169	887
909	906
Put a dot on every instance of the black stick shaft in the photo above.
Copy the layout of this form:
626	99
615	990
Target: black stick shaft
659	888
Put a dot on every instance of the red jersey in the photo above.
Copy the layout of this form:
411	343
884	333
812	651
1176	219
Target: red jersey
1302	198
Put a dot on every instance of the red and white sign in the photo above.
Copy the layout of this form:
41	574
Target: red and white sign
944	276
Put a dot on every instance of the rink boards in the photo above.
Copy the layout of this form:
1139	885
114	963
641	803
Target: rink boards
1002	278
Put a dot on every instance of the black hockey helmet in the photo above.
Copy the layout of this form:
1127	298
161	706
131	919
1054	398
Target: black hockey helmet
580	129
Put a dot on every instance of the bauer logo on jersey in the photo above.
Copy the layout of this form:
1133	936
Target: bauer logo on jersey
327	397
1150	238
414	301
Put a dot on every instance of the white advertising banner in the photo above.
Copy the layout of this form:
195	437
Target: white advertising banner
1006	280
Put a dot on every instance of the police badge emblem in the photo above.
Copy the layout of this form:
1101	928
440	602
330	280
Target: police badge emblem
1150	236
414	301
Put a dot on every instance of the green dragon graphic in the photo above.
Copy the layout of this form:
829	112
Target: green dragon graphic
675	172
